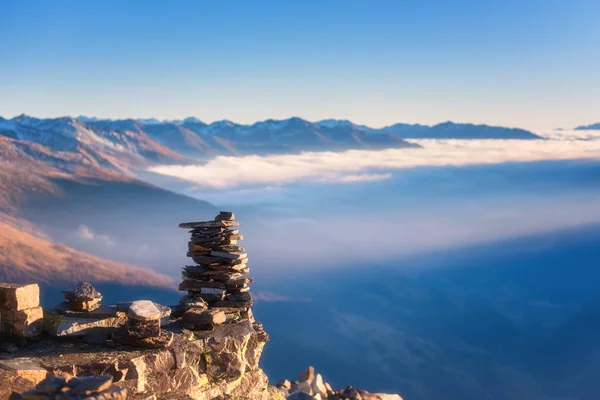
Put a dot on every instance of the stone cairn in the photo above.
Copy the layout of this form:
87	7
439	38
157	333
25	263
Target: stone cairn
21	316
217	285
59	387
83	298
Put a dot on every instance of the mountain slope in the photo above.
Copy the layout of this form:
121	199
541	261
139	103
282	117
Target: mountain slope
75	200
28	258
96	144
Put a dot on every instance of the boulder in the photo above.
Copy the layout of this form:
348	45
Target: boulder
318	386
198	319
19	297
25	323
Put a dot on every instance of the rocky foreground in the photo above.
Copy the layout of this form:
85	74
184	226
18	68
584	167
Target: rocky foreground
207	347
217	364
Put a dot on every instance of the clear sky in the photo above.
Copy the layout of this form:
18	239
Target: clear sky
527	63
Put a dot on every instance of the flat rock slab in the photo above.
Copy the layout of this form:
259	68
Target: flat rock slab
99	313
165	311
208	224
233	304
56	324
232	255
189	284
19	297
143	310
239	283
26	368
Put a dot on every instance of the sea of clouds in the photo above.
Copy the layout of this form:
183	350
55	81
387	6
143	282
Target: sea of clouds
222	173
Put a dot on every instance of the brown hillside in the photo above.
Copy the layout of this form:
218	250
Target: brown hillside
25	257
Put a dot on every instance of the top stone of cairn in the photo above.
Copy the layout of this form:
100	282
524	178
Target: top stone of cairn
143	310
225	216
225	219
85	291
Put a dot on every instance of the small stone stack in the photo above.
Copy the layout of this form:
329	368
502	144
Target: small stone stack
143	327
21	316
218	283
83	297
58	387
311	386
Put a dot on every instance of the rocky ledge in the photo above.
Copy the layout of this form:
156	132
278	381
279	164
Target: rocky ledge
222	363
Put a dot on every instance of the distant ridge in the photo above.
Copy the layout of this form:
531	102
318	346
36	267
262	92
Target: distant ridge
131	143
444	130
591	127
126	143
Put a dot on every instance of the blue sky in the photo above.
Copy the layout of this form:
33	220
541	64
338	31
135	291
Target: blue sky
528	63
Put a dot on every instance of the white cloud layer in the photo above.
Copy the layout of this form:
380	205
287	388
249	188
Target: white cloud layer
369	165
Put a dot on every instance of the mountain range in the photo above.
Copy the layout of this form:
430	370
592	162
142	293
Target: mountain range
123	143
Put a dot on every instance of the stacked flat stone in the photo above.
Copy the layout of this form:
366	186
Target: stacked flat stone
143	327
58	387
83	297
218	281
21	316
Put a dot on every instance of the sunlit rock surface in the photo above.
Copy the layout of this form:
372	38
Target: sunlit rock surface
222	363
